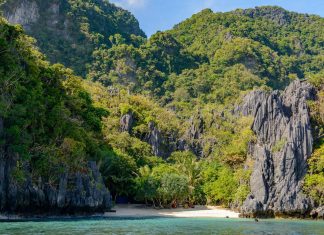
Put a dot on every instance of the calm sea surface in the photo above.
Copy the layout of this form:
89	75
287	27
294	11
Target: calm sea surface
164	226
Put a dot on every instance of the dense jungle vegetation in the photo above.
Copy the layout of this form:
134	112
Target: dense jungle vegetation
180	86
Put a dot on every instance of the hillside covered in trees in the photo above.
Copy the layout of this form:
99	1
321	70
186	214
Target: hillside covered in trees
68	31
160	116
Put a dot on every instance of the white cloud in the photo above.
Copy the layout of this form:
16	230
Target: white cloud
130	4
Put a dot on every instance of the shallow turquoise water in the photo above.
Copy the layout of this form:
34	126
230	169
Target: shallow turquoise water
165	226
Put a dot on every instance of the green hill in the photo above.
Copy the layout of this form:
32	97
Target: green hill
67	31
203	55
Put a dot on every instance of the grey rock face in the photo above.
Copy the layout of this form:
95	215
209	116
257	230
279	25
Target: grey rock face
162	144
156	140
126	122
284	143
275	14
25	13
76	193
1	126
192	140
2	167
196	127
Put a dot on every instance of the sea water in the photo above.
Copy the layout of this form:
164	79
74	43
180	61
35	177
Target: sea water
164	226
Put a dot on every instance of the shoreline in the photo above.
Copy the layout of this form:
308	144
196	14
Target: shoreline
130	211
138	210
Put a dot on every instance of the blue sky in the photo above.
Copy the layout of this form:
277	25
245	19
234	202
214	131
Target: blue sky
155	15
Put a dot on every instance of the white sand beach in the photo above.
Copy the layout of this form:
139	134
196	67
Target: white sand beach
132	210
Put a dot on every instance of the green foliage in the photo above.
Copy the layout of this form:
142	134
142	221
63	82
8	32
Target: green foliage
188	165
223	185
140	67
315	188
119	170
125	108
191	66
317	112
242	176
49	120
235	152
164	186
187	181
317	80
314	181
18	173
146	185
223	189
173	189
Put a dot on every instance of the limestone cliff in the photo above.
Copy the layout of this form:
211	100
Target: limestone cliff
76	193
25	13
284	143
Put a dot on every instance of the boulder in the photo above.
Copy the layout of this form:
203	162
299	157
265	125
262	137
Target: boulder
317	213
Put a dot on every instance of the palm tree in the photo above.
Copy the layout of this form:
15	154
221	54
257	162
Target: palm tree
187	164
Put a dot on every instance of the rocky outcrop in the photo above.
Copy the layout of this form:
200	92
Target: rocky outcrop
196	127
284	143
154	136
163	144
155	139
276	14
75	193
126	122
317	213
193	138
1	127
25	13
